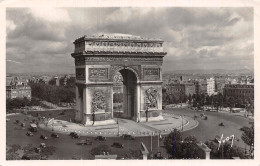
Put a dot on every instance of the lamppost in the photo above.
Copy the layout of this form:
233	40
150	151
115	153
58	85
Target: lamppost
146	112
52	125
117	127
182	122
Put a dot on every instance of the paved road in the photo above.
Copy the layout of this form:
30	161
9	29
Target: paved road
208	129
67	148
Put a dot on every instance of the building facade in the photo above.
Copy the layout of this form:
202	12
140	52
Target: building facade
17	88
190	88
176	90
240	91
211	86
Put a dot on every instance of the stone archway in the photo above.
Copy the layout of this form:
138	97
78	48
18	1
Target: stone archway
139	60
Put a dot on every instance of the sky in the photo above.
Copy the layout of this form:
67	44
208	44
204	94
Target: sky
41	39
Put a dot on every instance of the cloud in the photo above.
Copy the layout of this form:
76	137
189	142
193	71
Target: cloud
10	25
194	37
51	14
8	60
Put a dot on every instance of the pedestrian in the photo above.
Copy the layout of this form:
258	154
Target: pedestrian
93	118
146	113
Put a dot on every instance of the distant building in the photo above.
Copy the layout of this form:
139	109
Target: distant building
211	86
239	91
202	87
17	88
176	90
190	88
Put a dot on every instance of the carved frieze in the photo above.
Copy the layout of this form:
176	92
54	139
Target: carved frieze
98	73
82	60
80	73
151	97
98	103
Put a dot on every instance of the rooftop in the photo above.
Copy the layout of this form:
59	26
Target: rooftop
116	36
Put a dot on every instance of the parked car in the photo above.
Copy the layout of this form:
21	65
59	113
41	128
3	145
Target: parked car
29	133
22	124
33	127
117	145
25	157
54	135
100	138
43	137
127	137
74	135
38	150
221	124
42	145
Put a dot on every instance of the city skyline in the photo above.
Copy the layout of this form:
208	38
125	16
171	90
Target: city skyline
41	40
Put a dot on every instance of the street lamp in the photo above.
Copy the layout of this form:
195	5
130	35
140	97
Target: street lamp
182	122
118	127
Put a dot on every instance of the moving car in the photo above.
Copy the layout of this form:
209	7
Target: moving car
127	137
54	135
117	145
29	133
100	138
43	137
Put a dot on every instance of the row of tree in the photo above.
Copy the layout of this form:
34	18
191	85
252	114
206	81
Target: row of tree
18	103
53	94
219	101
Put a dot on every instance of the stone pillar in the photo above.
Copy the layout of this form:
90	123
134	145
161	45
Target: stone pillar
112	109
138	101
78	116
84	106
144	151
205	148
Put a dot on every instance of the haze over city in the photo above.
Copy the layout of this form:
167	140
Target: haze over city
41	40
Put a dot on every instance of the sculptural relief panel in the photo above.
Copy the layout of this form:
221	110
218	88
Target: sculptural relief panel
98	103
151	98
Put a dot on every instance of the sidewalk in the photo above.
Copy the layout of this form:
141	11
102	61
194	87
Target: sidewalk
125	126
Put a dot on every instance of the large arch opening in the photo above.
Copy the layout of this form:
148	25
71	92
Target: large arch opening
125	94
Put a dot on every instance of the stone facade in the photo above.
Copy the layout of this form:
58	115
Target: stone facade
98	59
16	88
239	91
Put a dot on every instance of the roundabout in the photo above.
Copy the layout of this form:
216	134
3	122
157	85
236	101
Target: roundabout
123	126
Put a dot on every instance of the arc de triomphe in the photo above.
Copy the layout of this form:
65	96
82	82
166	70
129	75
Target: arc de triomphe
99	58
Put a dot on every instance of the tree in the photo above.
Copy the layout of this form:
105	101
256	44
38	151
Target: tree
226	151
248	136
178	148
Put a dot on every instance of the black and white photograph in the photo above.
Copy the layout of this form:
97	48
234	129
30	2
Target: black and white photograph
164	83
